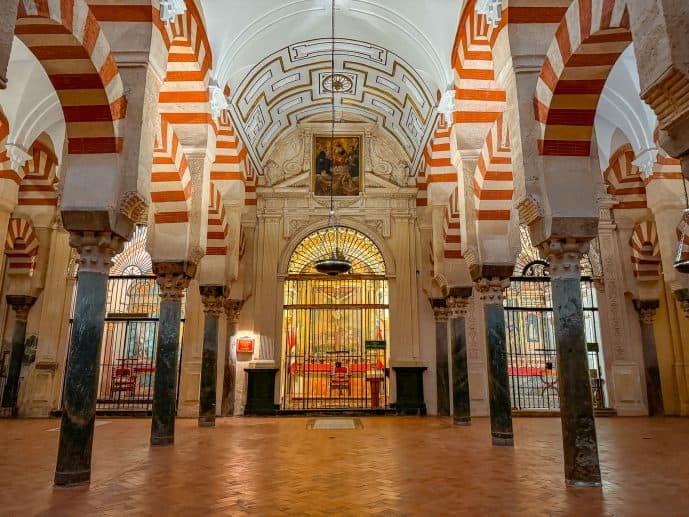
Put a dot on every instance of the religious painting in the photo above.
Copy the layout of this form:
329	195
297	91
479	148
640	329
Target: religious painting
336	164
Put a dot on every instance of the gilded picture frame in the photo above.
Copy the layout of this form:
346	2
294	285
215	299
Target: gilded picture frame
345	170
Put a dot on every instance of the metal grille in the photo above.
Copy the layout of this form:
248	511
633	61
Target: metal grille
335	334
531	349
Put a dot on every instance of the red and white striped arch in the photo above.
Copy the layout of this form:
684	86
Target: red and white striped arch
37	187
666	167
170	180
645	251
493	181
21	247
439	175
623	179
66	38
217	224
229	171
452	237
587	43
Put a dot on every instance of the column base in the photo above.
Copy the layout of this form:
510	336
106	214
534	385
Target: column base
503	440
206	421
463	420
72	479
160	441
583	484
8	412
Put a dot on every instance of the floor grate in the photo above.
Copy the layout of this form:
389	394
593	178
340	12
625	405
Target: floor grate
334	423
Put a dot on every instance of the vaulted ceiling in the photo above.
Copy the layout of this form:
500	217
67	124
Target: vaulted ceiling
392	57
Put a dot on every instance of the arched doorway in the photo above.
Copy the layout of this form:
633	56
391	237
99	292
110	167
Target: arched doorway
335	329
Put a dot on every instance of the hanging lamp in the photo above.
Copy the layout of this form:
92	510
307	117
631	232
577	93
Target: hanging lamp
682	258
336	263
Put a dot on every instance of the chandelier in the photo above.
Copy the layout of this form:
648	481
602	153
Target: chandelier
335	262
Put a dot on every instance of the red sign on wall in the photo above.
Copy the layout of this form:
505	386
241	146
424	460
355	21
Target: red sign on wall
245	344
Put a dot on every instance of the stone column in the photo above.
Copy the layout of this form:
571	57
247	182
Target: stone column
21	305
173	279
442	370
96	250
491	293
232	310
647	314
580	444
212	299
461	402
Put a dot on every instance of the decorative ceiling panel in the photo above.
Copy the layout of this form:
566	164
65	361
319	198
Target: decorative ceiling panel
296	82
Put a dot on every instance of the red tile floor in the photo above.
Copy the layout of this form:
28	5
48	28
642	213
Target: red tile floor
391	466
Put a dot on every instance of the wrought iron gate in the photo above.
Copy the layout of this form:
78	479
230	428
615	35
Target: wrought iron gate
531	349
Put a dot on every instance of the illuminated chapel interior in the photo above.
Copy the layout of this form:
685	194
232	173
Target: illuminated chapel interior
463	209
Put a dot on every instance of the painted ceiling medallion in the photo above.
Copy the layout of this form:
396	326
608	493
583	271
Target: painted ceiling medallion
338	83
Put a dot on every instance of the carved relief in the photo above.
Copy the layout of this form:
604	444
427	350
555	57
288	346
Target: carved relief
134	207
530	209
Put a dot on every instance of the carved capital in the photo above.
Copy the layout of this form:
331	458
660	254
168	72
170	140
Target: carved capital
21	305
682	297
457	307
173	278
440	310
491	289
232	309
669	97
134	207
564	256
530	209
213	299
96	250
647	310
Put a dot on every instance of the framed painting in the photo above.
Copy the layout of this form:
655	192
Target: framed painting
336	163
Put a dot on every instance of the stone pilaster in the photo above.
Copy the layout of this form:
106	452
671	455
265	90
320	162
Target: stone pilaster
21	305
173	279
490	291
647	313
213	306
580	444
96	250
232	311
458	305
442	371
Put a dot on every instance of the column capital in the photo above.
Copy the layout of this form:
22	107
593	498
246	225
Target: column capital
232	309
173	278
682	297
213	299
491	289
647	310
21	305
564	256
457	306
440	310
96	249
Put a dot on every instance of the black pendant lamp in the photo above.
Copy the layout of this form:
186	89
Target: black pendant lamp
336	263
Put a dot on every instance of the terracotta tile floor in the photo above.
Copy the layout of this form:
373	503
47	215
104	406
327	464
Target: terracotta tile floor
393	466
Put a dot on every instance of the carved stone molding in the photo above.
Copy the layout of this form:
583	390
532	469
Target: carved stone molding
96	250
213	299
173	278
233	308
491	290
647	310
564	257
21	305
457	307
440	310
18	156
530	209
134	207
669	97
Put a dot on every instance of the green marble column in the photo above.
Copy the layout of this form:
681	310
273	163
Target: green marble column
461	401
580	444
212	299
173	279
654	393
232	311
442	369
21	305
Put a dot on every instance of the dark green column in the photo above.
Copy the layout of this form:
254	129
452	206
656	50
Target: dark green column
457	303
647	313
580	444
212	299
173	279
442	369
83	360
491	292
232	311
21	305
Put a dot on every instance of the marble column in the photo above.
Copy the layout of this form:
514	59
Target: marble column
491	293
173	278
442	369
83	360
232	310
21	305
212	299
461	402
580	444
647	313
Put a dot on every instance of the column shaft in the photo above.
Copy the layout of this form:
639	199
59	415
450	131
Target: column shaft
232	309
81	381
498	379
9	396
212	297
442	373
460	373
647	310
